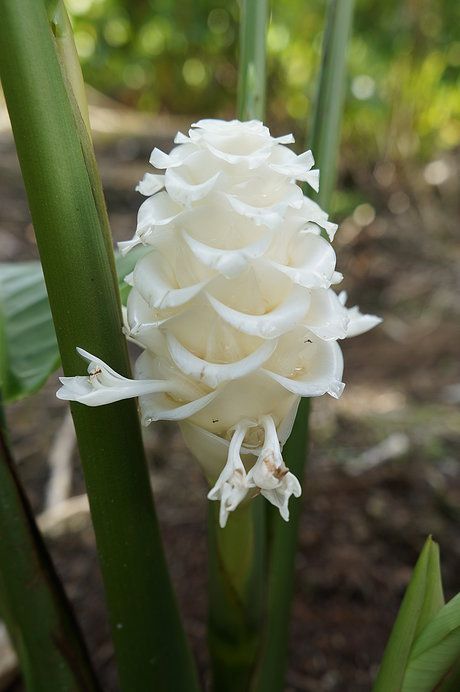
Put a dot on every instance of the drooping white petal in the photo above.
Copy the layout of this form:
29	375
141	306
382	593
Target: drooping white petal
326	317
270	473
150	184
126	245
358	323
105	386
177	157
231	487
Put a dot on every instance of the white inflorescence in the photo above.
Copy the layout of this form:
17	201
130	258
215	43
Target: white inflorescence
233	306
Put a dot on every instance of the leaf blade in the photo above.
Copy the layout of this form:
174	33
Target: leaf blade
420	604
28	348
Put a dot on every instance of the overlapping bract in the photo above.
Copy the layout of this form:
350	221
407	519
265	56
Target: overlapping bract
233	306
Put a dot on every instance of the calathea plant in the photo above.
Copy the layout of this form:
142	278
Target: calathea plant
233	306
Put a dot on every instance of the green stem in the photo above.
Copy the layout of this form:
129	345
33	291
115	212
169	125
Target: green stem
42	627
324	139
269	675
252	70
283	543
84	300
237	566
236	594
67	53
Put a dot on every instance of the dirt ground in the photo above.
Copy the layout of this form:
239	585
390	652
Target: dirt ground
383	470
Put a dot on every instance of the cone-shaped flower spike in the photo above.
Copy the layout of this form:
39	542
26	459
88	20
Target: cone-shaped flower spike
233	306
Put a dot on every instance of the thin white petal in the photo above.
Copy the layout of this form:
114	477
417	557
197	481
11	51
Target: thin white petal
326	317
359	324
165	408
104	386
176	158
306	388
150	184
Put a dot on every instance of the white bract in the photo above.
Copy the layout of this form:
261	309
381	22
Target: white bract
232	305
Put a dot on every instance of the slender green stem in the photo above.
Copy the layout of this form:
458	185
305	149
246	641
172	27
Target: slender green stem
237	565
236	594
39	618
252	71
283	542
269	675
324	136
85	304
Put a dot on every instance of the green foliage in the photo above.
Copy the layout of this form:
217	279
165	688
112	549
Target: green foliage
40	621
422	654
435	650
29	352
403	92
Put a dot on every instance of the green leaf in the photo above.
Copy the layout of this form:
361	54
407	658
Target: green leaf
422	601
39	618
68	214
29	351
435	651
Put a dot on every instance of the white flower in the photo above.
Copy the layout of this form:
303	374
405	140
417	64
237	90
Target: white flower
231	487
233	306
274	480
104	386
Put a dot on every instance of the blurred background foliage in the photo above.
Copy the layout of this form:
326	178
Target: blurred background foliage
164	56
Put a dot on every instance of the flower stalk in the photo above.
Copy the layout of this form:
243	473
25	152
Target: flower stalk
252	60
85	305
235	619
324	142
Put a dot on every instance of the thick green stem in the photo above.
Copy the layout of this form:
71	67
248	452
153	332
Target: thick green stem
150	646
39	618
283	541
236	594
67	52
251	76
